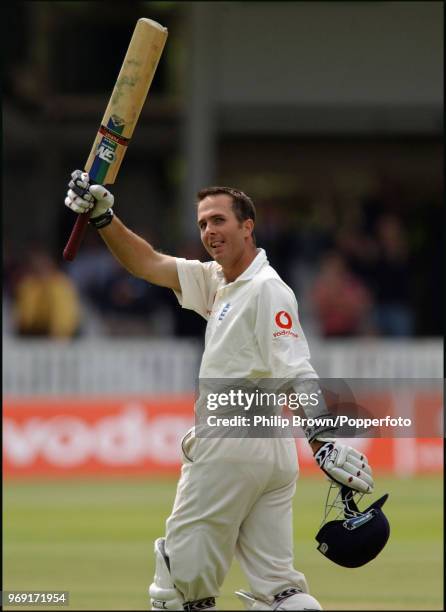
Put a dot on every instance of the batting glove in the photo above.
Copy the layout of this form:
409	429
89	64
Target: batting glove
83	197
345	465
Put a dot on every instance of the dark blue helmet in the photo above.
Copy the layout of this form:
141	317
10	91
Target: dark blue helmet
357	538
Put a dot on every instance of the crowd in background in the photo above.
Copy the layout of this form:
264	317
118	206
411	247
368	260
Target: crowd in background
363	268
361	263
352	265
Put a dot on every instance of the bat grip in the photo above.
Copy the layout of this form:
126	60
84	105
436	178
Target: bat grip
76	236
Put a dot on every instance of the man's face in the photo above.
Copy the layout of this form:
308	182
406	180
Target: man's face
222	235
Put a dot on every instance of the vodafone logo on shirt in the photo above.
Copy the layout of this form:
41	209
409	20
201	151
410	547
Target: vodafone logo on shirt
285	322
283	319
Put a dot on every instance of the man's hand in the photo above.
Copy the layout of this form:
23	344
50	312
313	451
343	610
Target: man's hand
345	466
82	197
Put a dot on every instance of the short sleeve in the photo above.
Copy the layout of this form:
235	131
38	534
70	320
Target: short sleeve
196	281
282	343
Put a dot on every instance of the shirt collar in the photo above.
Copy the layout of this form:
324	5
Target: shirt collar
255	266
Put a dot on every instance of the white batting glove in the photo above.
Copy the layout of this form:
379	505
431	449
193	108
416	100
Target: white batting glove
345	466
82	197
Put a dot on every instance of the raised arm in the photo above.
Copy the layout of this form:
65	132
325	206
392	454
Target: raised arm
139	257
133	252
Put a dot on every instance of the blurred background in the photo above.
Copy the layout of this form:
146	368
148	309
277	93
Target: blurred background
330	116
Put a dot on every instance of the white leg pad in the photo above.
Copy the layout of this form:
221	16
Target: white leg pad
303	601
250	602
283	601
162	591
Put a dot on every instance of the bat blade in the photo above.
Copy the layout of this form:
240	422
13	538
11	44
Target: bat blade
122	113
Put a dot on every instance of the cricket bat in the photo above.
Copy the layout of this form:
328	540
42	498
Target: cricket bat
120	117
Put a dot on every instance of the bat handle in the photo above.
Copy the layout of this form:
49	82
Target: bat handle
76	236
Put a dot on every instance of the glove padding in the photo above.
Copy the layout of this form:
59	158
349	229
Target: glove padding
345	466
82	197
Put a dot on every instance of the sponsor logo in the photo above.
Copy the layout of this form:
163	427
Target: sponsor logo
106	152
283	320
323	548
127	438
117	121
105	131
285	333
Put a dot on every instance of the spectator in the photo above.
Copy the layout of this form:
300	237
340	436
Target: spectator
360	250
277	235
342	302
132	306
91	269
46	302
394	316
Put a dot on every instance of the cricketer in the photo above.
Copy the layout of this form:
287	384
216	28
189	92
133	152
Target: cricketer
234	496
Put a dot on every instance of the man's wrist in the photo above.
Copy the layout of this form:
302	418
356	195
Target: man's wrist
316	445
102	220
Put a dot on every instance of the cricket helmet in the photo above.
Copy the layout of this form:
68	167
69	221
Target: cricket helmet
358	537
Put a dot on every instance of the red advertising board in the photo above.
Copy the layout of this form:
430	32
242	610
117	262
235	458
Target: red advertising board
141	435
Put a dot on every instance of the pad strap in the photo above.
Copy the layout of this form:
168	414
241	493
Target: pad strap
200	604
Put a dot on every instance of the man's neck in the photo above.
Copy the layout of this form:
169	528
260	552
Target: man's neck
240	265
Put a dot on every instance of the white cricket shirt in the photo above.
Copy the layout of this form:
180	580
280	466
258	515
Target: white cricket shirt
253	328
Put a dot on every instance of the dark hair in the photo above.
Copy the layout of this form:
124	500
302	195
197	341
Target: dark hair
242	205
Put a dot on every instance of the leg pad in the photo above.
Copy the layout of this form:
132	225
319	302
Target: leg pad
163	593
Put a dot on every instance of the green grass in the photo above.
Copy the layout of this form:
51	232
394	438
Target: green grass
95	539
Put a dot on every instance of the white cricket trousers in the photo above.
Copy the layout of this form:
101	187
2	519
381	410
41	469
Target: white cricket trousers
234	497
